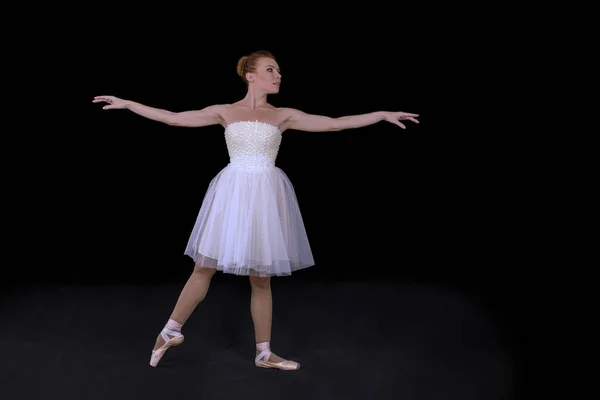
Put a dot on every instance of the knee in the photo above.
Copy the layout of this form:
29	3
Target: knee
204	272
260	283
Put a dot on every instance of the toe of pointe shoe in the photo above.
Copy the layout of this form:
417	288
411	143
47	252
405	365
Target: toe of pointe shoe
294	366
283	365
158	353
291	365
155	358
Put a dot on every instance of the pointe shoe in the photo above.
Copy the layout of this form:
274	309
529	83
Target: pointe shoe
158	353
263	356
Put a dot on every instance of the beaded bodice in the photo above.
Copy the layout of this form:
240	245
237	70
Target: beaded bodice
252	144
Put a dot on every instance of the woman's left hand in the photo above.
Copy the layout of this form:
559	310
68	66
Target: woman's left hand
396	117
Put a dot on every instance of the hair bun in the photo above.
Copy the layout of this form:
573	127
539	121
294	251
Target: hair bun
241	65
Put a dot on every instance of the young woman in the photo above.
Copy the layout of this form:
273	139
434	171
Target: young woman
249	222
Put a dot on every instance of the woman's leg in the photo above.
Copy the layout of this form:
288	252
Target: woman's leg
261	307
192	294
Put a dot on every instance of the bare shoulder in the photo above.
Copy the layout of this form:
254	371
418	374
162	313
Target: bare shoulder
209	115
220	107
287	113
287	116
222	110
219	112
287	110
216	109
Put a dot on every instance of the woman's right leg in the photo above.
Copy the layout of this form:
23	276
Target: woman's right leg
192	294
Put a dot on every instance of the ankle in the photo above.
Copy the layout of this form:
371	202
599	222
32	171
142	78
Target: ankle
262	346
173	325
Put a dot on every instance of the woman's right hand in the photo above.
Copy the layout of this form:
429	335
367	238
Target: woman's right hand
113	102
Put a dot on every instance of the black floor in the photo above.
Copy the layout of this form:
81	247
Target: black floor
354	340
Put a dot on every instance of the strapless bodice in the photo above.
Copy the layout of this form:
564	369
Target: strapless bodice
252	145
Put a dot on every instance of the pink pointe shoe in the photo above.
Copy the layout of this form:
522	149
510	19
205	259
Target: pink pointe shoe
265	352
158	353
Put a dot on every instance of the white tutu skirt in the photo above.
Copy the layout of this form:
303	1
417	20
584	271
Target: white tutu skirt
250	224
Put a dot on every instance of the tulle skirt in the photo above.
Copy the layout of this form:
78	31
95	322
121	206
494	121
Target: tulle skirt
250	224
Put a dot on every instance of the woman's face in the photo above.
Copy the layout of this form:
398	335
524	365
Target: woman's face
267	76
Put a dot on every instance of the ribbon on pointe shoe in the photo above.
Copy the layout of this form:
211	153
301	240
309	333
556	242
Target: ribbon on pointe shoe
265	351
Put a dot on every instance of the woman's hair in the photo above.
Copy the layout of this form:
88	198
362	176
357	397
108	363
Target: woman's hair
248	63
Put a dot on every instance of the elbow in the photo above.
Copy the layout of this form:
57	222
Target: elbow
172	119
336	125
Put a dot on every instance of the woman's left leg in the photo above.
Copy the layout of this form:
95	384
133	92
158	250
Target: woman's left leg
261	307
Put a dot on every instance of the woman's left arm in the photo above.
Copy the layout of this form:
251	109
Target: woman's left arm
301	121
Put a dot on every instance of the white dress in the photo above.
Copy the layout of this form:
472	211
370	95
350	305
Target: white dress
250	222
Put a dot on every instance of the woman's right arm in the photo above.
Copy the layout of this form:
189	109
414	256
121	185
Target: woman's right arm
210	115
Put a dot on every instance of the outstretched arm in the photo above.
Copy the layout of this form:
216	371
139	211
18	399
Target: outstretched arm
302	121
210	115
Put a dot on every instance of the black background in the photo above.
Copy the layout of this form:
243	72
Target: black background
110	197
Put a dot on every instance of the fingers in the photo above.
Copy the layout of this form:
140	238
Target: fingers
403	115
406	117
106	99
101	98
